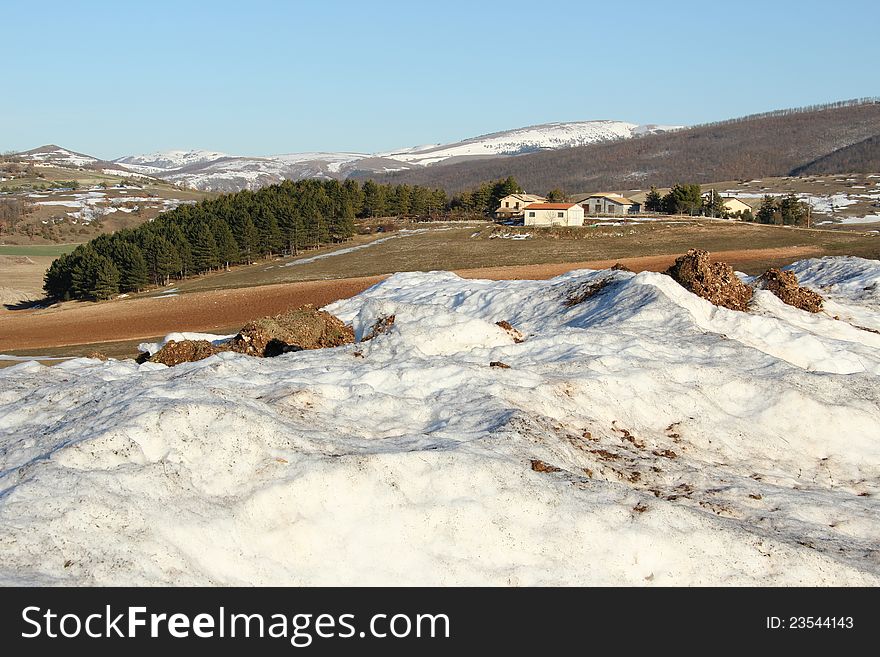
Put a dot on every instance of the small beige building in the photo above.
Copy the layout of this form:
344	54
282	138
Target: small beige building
553	214
512	205
734	205
609	204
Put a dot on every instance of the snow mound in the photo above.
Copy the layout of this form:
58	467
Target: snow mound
640	436
855	280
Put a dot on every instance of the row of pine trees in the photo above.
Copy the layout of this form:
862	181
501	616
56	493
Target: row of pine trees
231	229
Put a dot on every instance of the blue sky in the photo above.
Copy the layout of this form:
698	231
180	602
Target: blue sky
261	77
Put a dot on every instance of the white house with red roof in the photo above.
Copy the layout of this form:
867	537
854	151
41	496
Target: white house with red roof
553	214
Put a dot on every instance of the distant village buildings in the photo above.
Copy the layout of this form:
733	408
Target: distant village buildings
608	203
534	210
734	205
512	206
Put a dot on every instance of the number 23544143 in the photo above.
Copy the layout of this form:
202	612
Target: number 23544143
810	622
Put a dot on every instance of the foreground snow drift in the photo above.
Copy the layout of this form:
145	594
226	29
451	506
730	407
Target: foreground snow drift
639	435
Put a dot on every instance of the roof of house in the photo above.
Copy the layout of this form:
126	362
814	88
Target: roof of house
610	196
526	197
615	198
550	206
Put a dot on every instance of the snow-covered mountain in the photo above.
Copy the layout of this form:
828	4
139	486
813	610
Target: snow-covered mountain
547	136
52	155
215	171
169	160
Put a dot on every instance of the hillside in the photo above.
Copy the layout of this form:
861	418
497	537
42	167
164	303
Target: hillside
51	195
215	171
861	157
54	156
742	149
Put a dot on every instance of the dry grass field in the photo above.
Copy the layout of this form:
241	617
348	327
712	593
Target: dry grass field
473	246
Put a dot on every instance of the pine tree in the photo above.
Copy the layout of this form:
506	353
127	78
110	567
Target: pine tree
131	264
227	248
82	272
768	213
163	260
713	205
57	281
174	234
354	195
204	248
269	233
248	240
653	201
793	211
683	199
374	200
106	278
93	276
555	196
481	199
503	188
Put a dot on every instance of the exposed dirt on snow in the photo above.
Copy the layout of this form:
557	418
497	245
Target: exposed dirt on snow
784	284
714	281
382	325
186	351
511	331
295	330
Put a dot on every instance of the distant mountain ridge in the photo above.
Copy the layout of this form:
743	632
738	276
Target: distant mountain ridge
576	156
216	171
835	138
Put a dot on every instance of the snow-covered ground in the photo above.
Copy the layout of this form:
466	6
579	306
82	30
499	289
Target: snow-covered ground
641	436
839	207
93	204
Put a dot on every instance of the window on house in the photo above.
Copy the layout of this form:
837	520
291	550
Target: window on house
506	204
611	209
516	205
531	214
560	214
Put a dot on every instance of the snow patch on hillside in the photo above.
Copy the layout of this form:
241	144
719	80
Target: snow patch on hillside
165	161
638	436
523	140
215	171
54	155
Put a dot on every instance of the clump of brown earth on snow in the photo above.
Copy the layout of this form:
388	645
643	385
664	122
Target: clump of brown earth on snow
511	331
295	330
185	351
784	285
303	328
380	326
586	291
714	281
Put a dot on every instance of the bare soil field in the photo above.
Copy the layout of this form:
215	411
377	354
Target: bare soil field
115	327
21	276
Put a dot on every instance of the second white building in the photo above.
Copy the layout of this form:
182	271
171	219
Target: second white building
553	214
